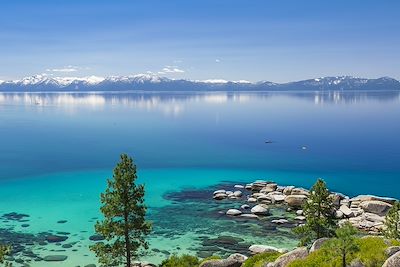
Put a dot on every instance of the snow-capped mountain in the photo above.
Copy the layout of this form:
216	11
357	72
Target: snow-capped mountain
152	82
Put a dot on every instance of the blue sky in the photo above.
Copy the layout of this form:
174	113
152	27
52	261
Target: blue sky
282	40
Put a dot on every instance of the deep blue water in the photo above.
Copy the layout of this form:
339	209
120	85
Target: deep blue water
352	139
57	149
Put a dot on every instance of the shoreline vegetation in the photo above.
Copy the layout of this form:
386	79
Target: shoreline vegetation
333	229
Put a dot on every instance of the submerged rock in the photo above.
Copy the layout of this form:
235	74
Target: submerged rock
56	238
55	258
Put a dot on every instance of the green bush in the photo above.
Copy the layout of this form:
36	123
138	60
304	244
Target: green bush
181	261
371	253
260	259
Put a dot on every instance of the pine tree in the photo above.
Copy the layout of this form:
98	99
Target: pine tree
345	242
124	227
392	222
319	213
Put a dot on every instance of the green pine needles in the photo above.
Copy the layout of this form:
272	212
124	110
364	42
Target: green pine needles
124	227
392	222
319	213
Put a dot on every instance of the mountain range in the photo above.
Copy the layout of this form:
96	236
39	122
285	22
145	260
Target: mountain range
149	82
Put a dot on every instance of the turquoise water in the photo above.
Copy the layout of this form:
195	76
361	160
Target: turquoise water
58	149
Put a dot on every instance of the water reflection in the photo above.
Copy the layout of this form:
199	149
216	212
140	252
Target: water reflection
174	102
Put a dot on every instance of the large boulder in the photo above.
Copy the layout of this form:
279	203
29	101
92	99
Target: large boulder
285	259
295	200
260	209
393	261
362	198
375	206
346	211
318	244
356	263
256	249
220	196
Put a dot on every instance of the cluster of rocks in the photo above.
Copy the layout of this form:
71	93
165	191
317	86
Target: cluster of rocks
364	212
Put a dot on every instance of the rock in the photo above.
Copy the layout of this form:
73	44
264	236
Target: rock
142	264
362	198
393	261
276	197
221	263
258	185
392	250
318	244
233	212
339	214
238	186
288	190
237	257
299	212
238	193
55	258
256	249
295	200
252	200
336	199
368	222
269	188
229	193
300	191
280	221
346	211
376	207
300	218
220	196
219	192
245	207
56	238
249	216
90	265
285	259
96	237
260	210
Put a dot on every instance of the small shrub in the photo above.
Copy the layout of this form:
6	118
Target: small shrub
372	251
260	259
181	261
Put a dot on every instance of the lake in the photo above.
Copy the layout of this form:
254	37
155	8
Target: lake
57	149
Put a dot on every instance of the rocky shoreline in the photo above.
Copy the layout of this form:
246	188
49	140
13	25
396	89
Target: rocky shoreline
365	212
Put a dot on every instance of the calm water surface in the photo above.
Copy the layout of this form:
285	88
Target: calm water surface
57	150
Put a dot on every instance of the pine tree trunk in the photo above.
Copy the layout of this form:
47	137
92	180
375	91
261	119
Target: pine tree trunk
126	233
344	259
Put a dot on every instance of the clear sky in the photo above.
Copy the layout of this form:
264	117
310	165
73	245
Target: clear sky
281	40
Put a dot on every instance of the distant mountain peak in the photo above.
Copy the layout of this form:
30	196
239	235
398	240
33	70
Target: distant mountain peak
150	81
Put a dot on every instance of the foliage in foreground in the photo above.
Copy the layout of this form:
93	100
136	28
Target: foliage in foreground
319	213
261	259
181	261
392	222
124	226
371	253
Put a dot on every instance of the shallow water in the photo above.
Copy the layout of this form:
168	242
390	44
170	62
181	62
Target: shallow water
58	149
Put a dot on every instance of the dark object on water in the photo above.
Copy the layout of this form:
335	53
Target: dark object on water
268	142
